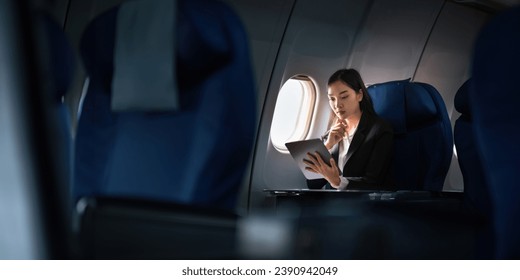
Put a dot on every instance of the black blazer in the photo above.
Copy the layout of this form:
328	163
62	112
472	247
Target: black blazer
368	164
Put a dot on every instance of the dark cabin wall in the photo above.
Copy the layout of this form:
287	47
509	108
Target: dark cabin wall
265	22
390	42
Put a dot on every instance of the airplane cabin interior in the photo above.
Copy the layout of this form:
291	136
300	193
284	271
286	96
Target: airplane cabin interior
157	129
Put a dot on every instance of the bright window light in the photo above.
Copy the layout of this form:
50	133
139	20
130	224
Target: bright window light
293	111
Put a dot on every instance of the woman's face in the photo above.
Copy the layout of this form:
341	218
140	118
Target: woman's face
343	100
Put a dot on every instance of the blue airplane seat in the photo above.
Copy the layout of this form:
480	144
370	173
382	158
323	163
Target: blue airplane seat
61	58
422	132
59	63
195	154
476	190
495	104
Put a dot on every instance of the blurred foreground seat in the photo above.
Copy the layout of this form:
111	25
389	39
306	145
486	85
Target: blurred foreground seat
476	188
494	105
165	131
193	152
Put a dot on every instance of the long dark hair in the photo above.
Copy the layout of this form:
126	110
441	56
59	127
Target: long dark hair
352	78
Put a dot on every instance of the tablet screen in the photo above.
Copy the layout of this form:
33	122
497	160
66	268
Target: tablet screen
299	150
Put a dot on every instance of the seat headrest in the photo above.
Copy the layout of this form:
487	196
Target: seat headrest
405	105
462	99
420	107
388	100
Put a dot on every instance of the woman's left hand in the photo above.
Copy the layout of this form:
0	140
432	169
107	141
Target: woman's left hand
316	164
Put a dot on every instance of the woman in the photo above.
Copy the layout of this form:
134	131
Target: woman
360	142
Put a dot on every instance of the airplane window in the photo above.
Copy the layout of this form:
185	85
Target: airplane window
293	111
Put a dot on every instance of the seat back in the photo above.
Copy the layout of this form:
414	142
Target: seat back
195	154
422	132
154	230
475	187
494	104
58	61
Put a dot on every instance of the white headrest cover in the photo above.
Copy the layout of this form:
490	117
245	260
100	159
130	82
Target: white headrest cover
144	57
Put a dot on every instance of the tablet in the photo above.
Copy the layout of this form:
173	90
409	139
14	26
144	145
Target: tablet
299	150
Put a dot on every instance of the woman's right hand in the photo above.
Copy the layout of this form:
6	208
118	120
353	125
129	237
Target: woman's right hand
336	133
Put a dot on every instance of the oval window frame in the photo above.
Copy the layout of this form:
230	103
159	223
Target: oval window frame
304	112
